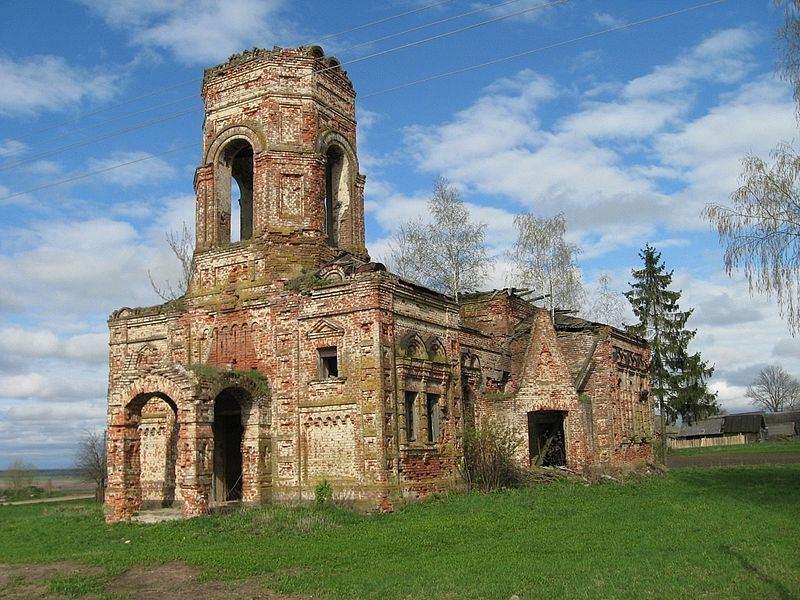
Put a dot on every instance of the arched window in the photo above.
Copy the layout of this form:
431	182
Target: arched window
235	172
337	191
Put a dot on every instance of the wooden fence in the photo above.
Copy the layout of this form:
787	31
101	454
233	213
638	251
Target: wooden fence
716	440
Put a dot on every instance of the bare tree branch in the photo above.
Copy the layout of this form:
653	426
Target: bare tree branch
775	390
182	245
90	458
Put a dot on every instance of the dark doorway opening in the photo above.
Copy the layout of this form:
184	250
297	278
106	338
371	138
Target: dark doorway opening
228	433
546	438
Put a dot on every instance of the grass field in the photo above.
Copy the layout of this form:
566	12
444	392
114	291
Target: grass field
711	533
777	447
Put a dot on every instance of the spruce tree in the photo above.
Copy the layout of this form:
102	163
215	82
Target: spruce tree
679	379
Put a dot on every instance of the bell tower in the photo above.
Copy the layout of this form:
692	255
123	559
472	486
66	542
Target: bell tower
279	163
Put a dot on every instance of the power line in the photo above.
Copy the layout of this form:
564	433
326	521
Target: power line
405	85
378	22
155	92
86	142
162	90
111	120
8	165
431	24
542	48
444	34
92	173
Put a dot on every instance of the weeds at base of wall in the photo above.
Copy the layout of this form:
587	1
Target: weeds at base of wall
622	473
323	493
489	461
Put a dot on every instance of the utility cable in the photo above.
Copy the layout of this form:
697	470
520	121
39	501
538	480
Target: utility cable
96	172
8	165
86	142
111	120
431	24
185	82
445	34
378	22
149	94
543	48
405	85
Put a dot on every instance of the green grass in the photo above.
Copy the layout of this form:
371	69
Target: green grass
779	446
712	533
30	492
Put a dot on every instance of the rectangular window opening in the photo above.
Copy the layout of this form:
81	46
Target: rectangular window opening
411	426
434	418
328	363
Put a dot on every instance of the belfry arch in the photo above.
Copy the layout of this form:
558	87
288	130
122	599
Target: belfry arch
234	164
341	170
337	191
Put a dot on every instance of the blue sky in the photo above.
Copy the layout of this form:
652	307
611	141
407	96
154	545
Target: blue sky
629	134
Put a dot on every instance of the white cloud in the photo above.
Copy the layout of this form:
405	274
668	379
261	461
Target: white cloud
95	265
38	343
607	20
722	57
49	386
151	171
48	83
606	165
9	147
708	150
635	119
198	31
787	348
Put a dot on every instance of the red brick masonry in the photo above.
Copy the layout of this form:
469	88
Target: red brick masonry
293	359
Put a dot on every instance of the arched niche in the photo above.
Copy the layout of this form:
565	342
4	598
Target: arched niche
151	449
435	348
413	346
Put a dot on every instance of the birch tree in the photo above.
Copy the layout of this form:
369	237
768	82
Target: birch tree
760	228
606	305
446	252
543	260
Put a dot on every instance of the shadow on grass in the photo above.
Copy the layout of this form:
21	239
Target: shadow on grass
777	486
781	590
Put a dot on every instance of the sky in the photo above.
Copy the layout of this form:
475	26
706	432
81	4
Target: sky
628	133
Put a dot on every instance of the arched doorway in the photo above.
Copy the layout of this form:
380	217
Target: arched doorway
230	412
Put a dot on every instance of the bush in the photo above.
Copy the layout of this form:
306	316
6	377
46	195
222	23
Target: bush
323	492
19	475
490	457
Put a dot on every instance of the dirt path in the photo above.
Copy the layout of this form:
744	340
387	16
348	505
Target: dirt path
169	581
730	460
44	500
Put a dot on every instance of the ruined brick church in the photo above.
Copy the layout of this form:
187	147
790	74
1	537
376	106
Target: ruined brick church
294	359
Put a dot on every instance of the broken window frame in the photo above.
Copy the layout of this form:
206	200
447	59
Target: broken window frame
433	410
328	356
410	408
